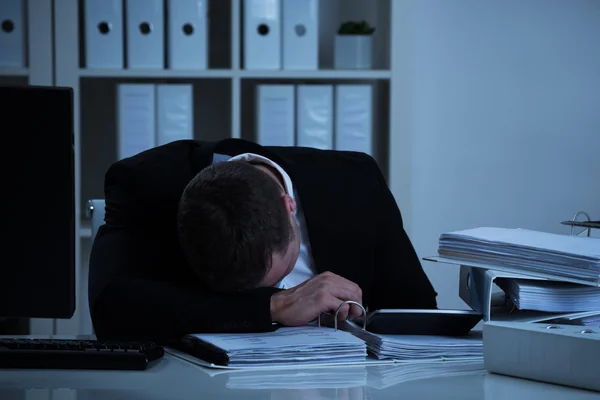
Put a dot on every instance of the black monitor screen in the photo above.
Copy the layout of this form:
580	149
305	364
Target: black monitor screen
37	217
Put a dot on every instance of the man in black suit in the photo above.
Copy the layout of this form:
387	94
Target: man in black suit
231	236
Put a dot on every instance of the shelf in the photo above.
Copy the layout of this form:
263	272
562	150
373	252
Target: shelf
226	73
5	71
155	73
317	74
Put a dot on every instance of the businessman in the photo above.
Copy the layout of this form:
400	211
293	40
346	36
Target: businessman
231	236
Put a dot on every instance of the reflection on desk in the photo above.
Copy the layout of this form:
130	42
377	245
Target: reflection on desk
176	379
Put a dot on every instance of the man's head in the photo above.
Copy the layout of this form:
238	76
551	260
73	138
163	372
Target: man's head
236	226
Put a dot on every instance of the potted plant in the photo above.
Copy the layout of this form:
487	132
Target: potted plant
353	45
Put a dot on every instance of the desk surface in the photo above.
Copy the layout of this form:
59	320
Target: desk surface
175	379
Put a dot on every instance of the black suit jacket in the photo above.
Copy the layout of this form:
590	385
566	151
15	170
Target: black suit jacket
140	285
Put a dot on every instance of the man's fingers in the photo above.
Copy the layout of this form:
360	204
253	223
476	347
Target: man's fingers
355	311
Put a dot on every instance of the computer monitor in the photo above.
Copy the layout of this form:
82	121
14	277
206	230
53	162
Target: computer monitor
37	205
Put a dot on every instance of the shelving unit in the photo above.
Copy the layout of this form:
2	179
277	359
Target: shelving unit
223	96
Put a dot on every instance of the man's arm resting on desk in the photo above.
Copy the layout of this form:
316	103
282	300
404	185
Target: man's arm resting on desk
128	305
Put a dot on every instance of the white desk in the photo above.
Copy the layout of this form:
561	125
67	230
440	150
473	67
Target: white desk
175	379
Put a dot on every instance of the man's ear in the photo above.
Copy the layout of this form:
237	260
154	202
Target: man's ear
288	203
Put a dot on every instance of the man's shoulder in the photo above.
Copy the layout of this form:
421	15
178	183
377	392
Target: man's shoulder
309	155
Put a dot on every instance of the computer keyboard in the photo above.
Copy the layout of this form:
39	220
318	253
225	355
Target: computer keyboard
77	354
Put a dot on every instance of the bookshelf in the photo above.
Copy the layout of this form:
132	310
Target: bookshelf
224	100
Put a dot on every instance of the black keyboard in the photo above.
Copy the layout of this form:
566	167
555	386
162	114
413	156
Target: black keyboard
77	354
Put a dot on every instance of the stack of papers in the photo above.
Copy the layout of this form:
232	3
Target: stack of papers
550	296
420	347
285	346
383	376
576	257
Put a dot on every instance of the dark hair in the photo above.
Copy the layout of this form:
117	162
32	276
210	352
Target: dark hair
230	221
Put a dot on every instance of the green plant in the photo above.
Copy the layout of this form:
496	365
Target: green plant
356	28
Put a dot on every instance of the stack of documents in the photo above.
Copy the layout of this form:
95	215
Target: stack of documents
383	376
550	296
285	346
576	257
420	347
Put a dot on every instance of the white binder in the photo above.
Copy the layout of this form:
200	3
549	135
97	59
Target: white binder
476	288
187	36
354	118
300	26
314	105
275	115
136	119
560	354
145	33
104	38
262	34
175	113
12	34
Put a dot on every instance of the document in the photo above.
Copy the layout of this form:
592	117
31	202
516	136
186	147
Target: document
550	296
295	345
576	257
419	347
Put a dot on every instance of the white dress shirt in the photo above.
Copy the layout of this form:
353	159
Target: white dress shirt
304	268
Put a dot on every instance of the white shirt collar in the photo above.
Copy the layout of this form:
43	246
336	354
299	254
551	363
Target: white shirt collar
287	181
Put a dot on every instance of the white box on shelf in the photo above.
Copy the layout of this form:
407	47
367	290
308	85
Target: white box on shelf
12	33
354	118
275	115
187	36
262	34
145	33
175	113
315	116
136	119
353	51
104	39
300	27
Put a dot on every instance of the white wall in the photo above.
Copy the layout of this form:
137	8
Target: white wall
498	104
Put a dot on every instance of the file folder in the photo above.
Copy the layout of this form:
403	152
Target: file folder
476	289
104	37
354	118
12	33
262	34
558	354
187	36
275	115
300	26
145	34
175	113
136	119
315	116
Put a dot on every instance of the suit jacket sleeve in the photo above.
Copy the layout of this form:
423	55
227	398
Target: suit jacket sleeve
399	281
127	302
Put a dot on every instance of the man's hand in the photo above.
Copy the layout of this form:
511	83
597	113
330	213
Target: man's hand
323	293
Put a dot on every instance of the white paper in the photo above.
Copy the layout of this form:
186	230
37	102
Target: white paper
560	255
420	347
310	344
551	296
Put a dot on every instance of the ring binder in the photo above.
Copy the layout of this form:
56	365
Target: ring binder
335	323
587	225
